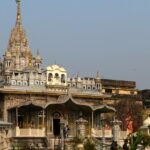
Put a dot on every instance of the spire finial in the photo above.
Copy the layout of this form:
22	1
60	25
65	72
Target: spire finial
98	75
18	21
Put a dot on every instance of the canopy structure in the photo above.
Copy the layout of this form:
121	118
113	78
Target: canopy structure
104	109
69	100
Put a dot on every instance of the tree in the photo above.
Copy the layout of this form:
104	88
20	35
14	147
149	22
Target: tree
129	111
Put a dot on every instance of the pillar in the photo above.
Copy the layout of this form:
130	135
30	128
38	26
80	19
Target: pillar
81	127
16	116
43	120
92	119
116	130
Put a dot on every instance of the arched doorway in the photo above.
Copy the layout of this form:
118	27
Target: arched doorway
56	123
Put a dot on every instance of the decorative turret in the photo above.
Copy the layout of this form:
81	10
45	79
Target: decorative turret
78	81
38	60
98	81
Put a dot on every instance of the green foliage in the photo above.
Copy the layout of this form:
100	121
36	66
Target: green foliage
89	144
21	146
138	139
76	141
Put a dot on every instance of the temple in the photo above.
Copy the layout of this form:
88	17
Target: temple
39	102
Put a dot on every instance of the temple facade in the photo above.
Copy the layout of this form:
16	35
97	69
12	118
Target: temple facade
40	102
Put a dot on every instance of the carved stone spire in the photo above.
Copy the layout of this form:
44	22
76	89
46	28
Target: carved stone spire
18	45
18	38
18	19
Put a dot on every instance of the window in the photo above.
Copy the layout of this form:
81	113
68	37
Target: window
132	92
97	86
38	65
93	88
62	78
108	90
24	83
56	75
84	87
37	82
50	76
89	87
18	83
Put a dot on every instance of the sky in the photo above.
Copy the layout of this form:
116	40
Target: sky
111	37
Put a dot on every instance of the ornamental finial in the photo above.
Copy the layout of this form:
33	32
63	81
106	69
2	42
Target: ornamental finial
18	21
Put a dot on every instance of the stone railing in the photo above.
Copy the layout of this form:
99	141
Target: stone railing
108	133
99	133
29	132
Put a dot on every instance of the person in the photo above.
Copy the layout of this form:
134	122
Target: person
113	145
66	130
125	145
116	146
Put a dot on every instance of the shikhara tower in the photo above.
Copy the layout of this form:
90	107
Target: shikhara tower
18	62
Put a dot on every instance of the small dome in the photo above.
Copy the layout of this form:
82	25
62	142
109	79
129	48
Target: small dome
147	121
56	67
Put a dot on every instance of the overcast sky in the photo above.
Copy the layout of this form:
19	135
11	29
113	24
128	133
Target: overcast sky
86	36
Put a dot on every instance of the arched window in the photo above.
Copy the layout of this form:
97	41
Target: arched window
56	75
84	87
62	78
37	82
18	83
38	66
98	86
50	76
89	88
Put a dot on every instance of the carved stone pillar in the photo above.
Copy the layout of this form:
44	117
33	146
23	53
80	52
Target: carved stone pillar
116	130
81	127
